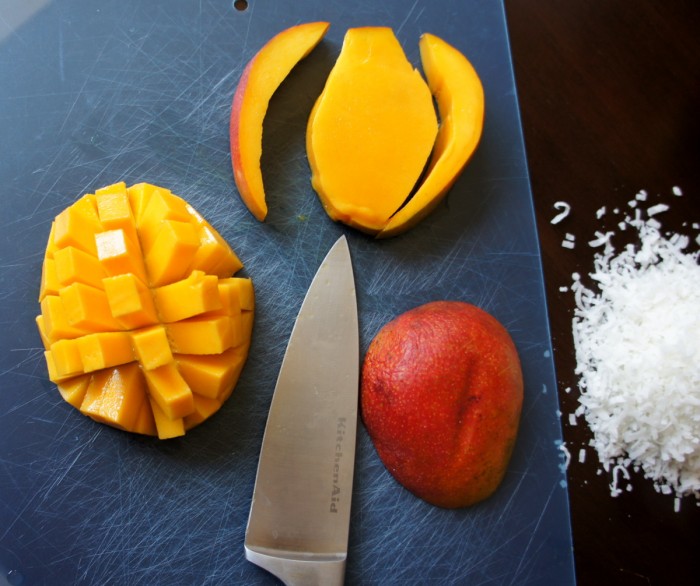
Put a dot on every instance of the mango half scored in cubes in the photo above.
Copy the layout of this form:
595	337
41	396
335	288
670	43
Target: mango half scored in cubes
144	326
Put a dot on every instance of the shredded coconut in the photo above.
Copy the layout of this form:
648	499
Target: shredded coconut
601	239
569	241
638	358
567	456
657	209
565	209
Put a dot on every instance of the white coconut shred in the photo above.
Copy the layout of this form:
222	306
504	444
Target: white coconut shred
637	342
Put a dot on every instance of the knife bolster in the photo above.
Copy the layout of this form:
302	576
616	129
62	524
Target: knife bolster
297	569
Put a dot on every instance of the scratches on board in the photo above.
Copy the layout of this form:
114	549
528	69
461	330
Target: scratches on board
411	16
472	551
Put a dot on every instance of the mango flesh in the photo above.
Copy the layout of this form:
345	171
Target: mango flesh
144	326
459	94
371	130
260	79
441	397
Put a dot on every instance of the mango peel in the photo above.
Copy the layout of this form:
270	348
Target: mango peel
379	159
441	397
144	326
260	79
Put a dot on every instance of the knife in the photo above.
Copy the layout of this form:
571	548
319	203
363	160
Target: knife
300	513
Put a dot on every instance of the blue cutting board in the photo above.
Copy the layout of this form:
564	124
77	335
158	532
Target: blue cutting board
97	92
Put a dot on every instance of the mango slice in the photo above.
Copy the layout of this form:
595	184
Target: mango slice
144	326
261	77
371	130
460	100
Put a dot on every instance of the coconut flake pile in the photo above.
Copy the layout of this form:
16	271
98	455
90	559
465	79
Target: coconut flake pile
637	341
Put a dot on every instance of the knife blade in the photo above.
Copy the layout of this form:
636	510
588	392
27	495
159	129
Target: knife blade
300	512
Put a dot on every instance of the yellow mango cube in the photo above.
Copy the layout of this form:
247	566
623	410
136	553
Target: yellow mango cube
87	308
66	358
229	298
162	207
197	335
204	408
77	266
56	324
167	388
247	318
238	329
49	279
42	332
76	226
246	294
118	254
114	210
51	242
130	301
139	196
145	422
54	377
211	375
114	396
151	347
198	293
214	255
119	187
73	390
104	350
172	252
166	428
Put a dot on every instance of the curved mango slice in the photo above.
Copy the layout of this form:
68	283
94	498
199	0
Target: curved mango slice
261	77
144	327
371	130
460	100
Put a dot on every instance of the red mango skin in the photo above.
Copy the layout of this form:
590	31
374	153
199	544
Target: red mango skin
441	398
259	80
258	209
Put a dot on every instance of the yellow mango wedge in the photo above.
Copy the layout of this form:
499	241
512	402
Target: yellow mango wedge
259	81
371	131
460	100
133	278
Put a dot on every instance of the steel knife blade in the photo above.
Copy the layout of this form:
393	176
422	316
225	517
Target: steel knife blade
300	512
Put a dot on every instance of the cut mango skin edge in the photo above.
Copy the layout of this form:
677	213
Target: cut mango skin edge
459	94
260	79
144	326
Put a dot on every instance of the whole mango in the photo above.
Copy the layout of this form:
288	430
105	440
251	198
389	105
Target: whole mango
441	397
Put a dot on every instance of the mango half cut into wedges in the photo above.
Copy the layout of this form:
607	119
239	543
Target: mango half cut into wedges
380	159
144	326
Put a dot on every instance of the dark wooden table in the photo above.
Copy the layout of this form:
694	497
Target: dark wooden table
609	94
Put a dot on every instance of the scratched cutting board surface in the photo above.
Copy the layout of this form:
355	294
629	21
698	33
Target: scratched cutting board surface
93	93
